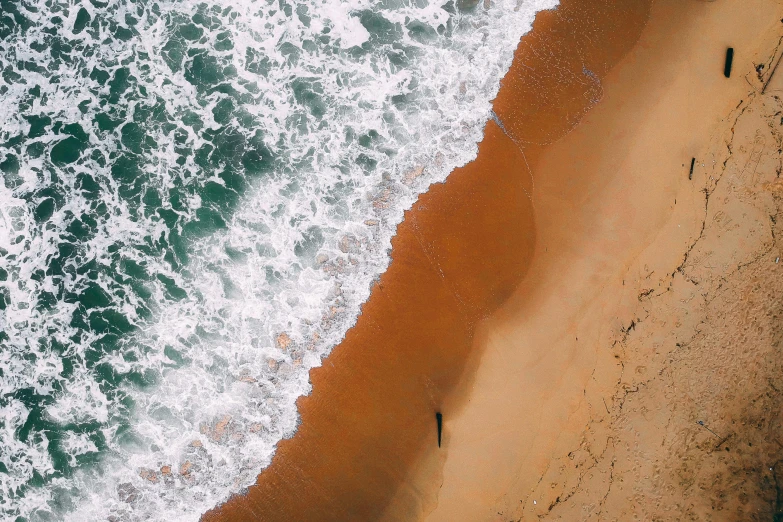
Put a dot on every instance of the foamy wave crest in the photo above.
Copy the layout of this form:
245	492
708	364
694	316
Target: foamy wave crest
196	199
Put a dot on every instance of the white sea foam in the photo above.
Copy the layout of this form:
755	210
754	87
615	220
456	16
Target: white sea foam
228	337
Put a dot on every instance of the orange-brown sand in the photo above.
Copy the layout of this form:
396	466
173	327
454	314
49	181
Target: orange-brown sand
523	300
461	251
652	301
372	409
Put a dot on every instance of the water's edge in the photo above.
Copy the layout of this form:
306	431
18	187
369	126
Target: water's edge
183	240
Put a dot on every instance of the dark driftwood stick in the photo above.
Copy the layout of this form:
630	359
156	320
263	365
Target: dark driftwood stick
439	418
693	163
771	74
729	60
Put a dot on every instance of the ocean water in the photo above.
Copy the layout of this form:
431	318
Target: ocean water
196	198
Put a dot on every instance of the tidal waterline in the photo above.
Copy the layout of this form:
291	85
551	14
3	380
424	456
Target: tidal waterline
364	450
195	200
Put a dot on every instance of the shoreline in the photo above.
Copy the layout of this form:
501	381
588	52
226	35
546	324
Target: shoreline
546	432
513	283
369	421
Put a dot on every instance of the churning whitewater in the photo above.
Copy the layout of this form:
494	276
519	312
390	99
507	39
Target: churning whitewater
196	199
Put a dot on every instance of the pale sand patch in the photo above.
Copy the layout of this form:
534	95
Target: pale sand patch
549	396
692	427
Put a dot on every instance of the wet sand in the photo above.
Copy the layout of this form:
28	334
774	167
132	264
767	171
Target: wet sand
512	284
372	409
459	254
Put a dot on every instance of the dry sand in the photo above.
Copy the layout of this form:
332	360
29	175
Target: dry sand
636	372
571	301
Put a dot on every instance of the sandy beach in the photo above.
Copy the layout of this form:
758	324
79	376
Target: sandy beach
598	327
650	309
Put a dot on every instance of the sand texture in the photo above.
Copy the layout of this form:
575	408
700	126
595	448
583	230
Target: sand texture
636	373
693	427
